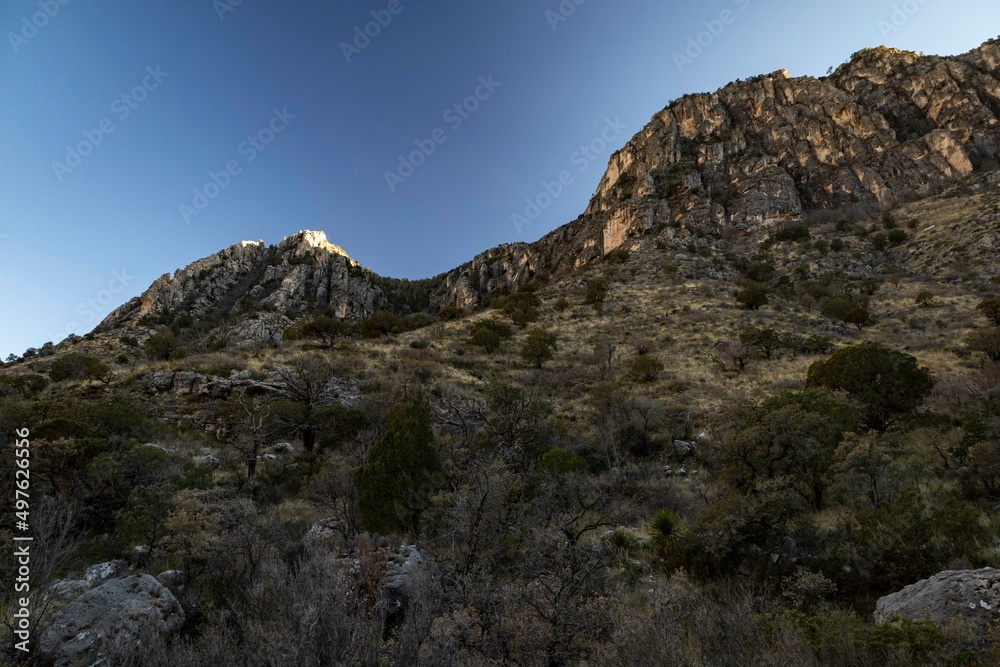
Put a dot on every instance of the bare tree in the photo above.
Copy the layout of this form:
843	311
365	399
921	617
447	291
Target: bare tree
307	382
734	354
53	542
253	430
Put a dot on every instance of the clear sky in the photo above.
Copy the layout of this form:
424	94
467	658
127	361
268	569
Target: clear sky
116	115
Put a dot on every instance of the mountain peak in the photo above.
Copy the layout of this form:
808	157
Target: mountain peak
312	239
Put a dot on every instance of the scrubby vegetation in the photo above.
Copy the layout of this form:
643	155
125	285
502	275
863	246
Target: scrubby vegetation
719	461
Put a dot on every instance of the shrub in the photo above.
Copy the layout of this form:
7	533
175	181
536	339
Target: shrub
324	328
760	272
164	346
896	237
763	339
991	309
402	473
986	341
645	368
753	297
522	307
76	367
379	324
924	298
490	335
451	313
880	242
793	234
885	381
842	307
538	347
597	291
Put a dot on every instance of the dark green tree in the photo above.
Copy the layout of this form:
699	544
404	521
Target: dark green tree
76	367
886	382
323	328
790	441
991	309
986	341
645	368
402	473
538	347
753	297
164	346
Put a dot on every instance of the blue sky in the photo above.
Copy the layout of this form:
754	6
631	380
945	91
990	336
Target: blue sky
140	136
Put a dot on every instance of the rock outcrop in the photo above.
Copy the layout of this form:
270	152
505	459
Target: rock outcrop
886	127
119	610
971	595
304	272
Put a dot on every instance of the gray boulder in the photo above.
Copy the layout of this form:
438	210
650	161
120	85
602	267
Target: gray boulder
102	571
972	595
119	610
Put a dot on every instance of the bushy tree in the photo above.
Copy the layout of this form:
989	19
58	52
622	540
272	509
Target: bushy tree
76	367
885	381
164	346
753	297
645	368
986	341
323	328
402	473
765	340
490	335
991	309
790	439
597	292
538	347
379	324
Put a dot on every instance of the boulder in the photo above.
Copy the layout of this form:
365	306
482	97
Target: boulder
118	610
98	573
971	595
284	448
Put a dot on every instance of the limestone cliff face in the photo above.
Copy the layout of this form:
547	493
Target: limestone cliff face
886	127
302	273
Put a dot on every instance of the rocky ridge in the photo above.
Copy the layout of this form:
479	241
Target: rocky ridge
713	171
304	272
886	127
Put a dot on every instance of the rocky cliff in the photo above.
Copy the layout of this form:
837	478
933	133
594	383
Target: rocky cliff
886	127
304	272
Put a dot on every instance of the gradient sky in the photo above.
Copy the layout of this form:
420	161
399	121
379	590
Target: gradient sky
75	242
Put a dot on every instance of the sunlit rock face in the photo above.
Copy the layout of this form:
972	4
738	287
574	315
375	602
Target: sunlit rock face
303	273
886	127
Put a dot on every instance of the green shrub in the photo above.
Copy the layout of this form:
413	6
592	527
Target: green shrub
164	346
381	323
645	368
885	381
753	297
896	237
991	309
76	367
538	347
793	234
